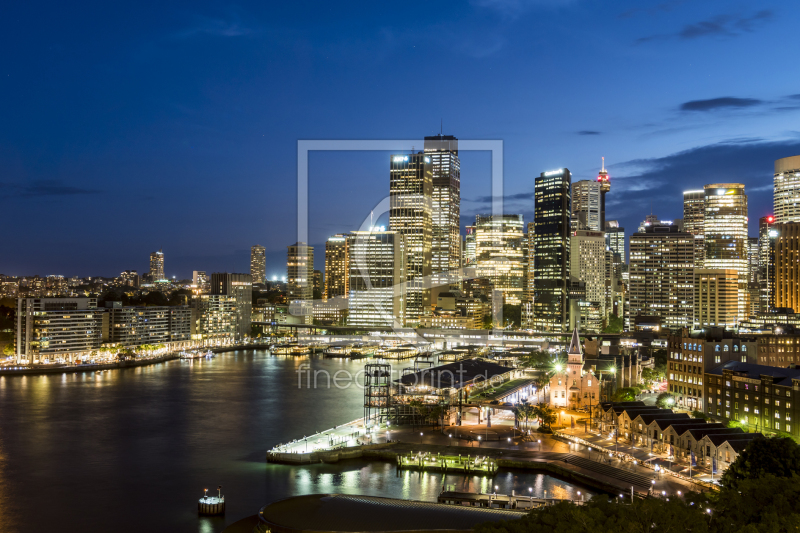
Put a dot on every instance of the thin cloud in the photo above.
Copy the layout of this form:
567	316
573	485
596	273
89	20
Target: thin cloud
41	188
215	27
722	102
514	8
589	132
488	199
719	26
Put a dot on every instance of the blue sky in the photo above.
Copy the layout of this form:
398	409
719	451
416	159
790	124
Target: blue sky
130	127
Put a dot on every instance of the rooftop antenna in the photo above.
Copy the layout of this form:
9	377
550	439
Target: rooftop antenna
441	126
604	164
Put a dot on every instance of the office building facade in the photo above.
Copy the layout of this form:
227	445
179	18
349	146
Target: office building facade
586	205
337	266
661	275
693	221
587	265
551	251
377	282
766	263
716	298
445	211
499	254
135	326
786	192
410	197
725	235
787	265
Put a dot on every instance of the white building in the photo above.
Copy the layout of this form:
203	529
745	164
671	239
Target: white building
377	283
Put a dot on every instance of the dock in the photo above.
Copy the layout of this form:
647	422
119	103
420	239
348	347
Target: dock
498	501
427	461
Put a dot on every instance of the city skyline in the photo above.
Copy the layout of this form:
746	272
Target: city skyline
135	145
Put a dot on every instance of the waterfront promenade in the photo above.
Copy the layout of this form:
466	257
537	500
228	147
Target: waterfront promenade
39	369
596	465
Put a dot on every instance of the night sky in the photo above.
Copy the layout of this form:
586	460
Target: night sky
127	127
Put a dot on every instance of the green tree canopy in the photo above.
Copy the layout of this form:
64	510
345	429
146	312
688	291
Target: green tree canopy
779	457
665	400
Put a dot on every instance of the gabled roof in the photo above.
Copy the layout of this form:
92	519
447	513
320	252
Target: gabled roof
633	412
575	344
739	445
699	433
664	424
649	418
681	427
605	406
718	438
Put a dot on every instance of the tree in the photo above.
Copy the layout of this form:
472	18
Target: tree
546	414
665	400
8	349
624	394
779	457
615	324
512	315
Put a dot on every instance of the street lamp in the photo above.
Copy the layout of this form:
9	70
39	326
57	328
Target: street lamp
420	437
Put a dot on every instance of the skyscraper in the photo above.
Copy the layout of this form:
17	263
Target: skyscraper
377	285
499	254
551	261
615	238
157	265
410	192
725	234
693	215
445	211
586	200
258	264
787	265
337	266
787	190
661	278
469	246
300	280
587	265
766	261
605	186
716	298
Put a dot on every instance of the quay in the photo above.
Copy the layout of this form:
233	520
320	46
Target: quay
467	464
498	501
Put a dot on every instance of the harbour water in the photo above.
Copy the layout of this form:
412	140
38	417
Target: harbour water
131	450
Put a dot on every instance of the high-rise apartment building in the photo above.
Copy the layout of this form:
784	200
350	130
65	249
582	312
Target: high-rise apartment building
725	234
787	265
529	274
499	254
216	317
694	210
410	197
337	266
661	275
753	276
157	266
377	282
586	199
716	298
445	211
786	199
258	264
240	286
300	280
134	326
587	265
551	251
49	329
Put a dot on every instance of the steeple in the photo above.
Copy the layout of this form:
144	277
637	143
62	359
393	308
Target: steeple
575	344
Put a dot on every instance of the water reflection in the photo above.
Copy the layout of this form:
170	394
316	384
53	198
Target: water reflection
80	450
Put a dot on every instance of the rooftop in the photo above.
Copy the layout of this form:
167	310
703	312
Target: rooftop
455	375
780	376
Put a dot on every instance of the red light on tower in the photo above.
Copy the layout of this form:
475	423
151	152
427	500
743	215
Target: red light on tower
770	219
603	178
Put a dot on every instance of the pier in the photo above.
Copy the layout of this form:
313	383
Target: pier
498	501
467	464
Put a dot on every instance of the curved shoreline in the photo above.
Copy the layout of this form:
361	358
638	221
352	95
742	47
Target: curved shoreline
119	364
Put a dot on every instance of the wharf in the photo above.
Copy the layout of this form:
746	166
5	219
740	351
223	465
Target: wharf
467	464
498	501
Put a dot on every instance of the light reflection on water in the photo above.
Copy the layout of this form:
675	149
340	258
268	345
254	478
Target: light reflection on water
81	452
